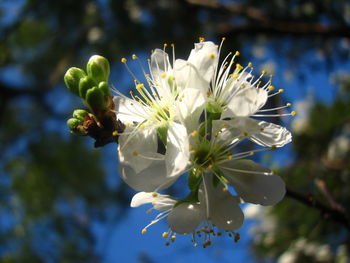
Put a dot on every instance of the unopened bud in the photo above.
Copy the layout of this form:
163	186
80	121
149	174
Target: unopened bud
103	86
85	84
72	123
72	78
96	99
80	114
98	68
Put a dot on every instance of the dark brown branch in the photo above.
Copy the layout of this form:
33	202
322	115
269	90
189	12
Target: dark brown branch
268	25
327	212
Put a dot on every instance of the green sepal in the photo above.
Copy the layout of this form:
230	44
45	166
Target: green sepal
194	179
80	114
72	79
214	107
104	87
96	100
85	84
163	134
98	68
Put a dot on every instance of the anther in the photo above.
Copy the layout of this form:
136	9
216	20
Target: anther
167	244
224	189
212	55
115	133
250	64
165	235
281	90
154	194
194	133
237	53
271	88
293	113
143	231
289	104
140	86
273	147
123	60
135	153
163	75
237	237
134	56
173	238
245	134
263	72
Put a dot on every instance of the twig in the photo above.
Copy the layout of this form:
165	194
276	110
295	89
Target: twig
327	212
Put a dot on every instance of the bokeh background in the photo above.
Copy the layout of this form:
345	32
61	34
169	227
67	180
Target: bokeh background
61	200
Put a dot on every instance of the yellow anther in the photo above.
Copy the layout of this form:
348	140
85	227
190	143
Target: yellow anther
230	157
237	53
154	194
149	211
194	133
140	86
223	38
141	127
153	203
173	238
210	166
135	153
165	44
263	72
134	56
163	75
271	75
239	66
224	189
273	172
251	153
235	76
115	133
201	39
293	113
172	44
212	55
123	60
193	151
242	86
190	147
165	235
273	147
143	231
245	134
250	64
289	104
281	90
209	93
271	88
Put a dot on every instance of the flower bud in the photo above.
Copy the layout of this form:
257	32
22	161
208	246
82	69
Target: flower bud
85	84
80	114
96	100
104	87
72	123
98	68
72	78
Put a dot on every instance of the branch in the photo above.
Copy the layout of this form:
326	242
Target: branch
334	214
267	25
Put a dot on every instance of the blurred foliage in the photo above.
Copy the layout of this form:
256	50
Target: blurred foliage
53	186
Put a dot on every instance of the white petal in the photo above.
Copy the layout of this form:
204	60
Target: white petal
190	107
177	154
185	218
159	63
135	145
271	134
187	76
151	179
204	57
257	188
221	207
160	202
246	102
129	111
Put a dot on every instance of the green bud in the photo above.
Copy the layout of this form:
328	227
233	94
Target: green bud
80	114
72	78
85	84
104	87
72	123
96	99
98	68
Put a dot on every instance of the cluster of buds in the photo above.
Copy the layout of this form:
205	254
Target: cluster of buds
93	88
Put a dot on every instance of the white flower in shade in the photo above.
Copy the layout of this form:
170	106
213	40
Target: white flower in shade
215	154
234	93
205	216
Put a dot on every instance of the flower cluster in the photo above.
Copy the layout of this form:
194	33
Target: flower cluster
188	118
